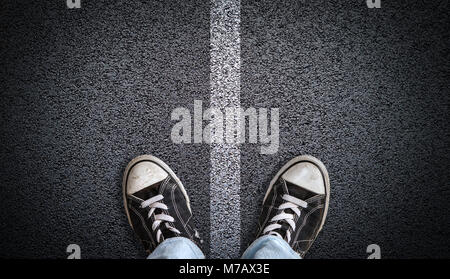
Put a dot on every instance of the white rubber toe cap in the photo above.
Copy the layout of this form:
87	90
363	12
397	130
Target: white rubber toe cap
144	174
306	175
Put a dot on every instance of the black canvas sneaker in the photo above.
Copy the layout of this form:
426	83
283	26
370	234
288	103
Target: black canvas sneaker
296	203
156	202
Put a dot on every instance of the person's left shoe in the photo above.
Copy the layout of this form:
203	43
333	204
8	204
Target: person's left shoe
156	202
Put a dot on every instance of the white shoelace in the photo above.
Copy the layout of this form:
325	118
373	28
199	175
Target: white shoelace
291	203
154	203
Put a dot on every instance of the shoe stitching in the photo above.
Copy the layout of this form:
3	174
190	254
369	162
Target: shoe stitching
269	209
144	224
176	210
306	218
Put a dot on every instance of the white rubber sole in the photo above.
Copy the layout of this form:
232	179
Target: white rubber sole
322	168
160	163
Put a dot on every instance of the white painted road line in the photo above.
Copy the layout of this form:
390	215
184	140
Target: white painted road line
225	157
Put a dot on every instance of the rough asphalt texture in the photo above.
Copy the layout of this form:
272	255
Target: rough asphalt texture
84	91
367	92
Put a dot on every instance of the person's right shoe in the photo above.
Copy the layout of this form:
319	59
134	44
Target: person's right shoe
296	204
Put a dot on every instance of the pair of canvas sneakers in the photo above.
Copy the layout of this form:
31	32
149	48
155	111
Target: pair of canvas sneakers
294	207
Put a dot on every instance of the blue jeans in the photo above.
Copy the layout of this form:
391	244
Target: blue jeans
265	247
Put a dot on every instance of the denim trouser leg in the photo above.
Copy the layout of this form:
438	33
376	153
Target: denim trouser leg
270	247
177	248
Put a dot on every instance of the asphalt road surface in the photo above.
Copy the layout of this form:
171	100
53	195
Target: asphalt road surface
86	90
